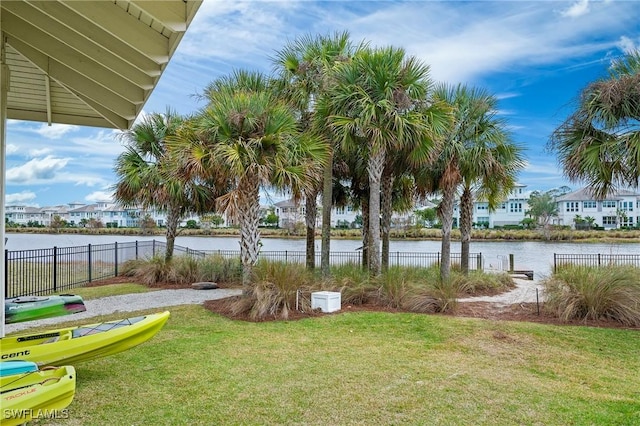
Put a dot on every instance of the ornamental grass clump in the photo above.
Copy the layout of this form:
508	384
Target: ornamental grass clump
354	284
184	270
220	269
481	282
275	290
149	271
394	286
578	292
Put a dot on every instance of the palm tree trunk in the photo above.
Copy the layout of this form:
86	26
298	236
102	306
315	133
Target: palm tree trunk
365	232
249	216
311	211
327	202
445	211
173	219
466	221
385	227
375	167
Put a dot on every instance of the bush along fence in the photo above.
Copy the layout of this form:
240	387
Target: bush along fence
595	260
60	269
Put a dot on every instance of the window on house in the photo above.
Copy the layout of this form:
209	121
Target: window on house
572	206
626	221
627	206
609	204
609	220
515	207
588	204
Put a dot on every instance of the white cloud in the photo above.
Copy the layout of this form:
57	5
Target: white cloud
579	8
465	41
96	196
506	95
627	45
55	131
12	149
20	197
39	152
39	169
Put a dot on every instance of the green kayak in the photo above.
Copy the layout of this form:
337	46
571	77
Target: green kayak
30	308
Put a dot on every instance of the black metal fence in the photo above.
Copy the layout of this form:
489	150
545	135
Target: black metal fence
595	260
398	258
59	269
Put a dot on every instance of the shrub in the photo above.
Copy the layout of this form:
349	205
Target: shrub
577	292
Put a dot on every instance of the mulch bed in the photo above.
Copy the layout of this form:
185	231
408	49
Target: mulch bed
527	312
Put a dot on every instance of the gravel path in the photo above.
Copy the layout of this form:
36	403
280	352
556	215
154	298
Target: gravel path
525	292
132	302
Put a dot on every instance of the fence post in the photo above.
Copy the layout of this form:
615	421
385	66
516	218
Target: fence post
285	257
136	249
89	246
153	249
598	259
116	258
479	262
6	273
555	264
397	258
511	263
55	268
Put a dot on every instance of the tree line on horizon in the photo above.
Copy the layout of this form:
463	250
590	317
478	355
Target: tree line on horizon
352	124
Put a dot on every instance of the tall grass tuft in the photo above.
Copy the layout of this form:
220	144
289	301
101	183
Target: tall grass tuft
353	282
578	292
219	269
397	283
184	270
275	289
149	271
481	282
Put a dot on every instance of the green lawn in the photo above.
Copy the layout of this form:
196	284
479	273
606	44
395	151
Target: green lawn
364	368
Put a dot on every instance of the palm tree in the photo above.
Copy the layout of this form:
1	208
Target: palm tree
600	141
149	176
474	131
374	99
489	165
253	135
398	179
304	66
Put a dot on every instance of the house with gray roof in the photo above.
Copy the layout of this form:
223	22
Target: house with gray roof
618	209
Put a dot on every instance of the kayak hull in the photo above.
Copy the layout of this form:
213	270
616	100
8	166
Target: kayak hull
37	394
77	344
30	308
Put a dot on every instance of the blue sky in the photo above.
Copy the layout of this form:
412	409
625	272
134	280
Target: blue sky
534	56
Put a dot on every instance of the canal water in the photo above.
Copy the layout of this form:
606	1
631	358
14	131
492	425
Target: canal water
529	255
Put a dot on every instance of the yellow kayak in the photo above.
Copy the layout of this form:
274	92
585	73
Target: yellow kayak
43	394
73	344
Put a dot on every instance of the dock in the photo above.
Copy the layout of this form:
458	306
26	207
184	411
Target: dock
525	272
